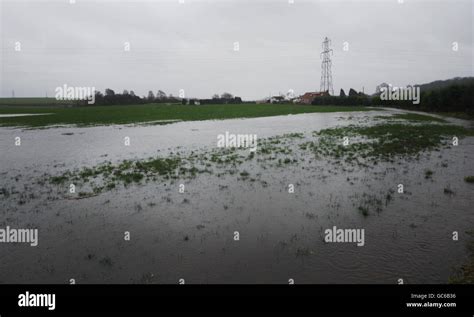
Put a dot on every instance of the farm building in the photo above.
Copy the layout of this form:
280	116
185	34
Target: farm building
308	97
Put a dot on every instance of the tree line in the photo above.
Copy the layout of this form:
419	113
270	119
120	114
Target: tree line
353	99
225	98
109	97
453	98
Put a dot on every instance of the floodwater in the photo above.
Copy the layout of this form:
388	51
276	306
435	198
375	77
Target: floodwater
12	115
191	235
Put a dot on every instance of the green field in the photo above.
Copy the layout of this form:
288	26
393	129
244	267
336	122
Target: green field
127	114
34	102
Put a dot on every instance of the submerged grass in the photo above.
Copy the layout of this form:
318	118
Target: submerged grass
428	173
366	144
465	274
469	179
161	166
384	141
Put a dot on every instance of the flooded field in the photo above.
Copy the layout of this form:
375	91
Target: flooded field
188	232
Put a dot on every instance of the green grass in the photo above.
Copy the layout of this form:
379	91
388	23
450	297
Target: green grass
364	211
428	173
418	117
368	145
448	191
465	274
162	166
469	179
128	114
59	179
387	140
459	115
34	102
244	174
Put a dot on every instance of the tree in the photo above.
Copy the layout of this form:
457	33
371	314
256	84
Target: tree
226	95
151	96
352	93
99	97
342	93
160	95
109	97
125	92
215	96
132	93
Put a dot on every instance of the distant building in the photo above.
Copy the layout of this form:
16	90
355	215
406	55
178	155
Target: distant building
308	97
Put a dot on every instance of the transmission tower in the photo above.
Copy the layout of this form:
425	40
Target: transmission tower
326	75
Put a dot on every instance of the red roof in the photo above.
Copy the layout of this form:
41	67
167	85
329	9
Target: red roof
312	95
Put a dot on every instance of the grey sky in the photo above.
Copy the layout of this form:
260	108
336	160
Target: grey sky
189	46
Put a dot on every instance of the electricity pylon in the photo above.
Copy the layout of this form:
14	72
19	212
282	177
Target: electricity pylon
326	75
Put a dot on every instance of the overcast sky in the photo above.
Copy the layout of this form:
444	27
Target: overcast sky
190	46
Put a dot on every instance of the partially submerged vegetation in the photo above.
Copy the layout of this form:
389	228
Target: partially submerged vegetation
465	274
469	179
371	203
382	141
362	146
428	173
321	164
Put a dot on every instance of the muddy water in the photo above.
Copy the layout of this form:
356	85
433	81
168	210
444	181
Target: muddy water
191	235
